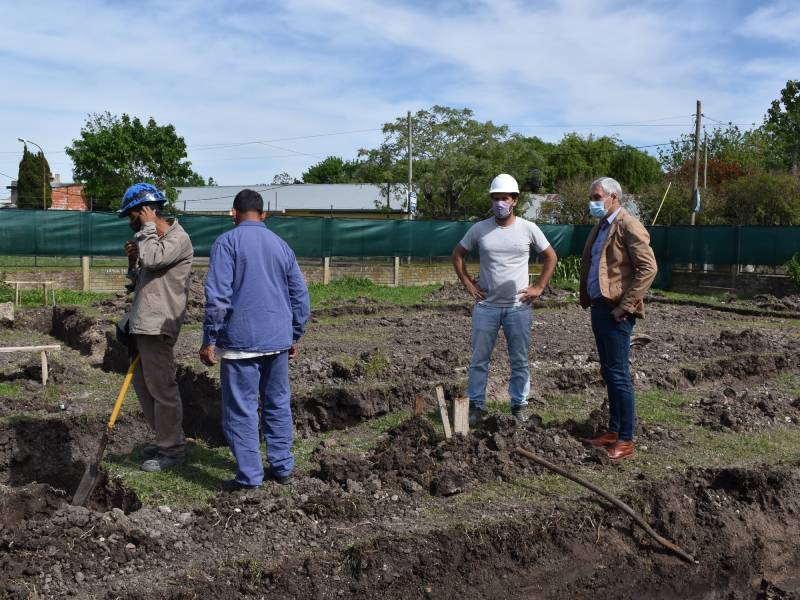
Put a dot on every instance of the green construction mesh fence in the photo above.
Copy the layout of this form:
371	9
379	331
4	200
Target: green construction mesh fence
69	233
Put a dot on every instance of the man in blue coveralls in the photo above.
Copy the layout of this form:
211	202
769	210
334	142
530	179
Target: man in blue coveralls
257	306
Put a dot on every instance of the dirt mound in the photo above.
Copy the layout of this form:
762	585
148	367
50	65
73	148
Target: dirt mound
449	292
729	410
33	501
747	340
770	302
415	457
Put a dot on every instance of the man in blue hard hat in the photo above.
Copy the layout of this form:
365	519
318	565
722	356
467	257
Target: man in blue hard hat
160	255
257	307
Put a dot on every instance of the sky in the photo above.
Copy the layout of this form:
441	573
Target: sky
258	87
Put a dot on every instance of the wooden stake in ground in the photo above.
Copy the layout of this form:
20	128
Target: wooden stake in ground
419	404
674	548
443	411
461	415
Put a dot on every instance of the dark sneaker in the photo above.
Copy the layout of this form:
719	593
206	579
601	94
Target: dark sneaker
231	485
520	413
476	415
161	462
150	451
281	479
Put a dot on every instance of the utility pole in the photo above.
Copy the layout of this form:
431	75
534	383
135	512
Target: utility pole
695	189
410	168
705	159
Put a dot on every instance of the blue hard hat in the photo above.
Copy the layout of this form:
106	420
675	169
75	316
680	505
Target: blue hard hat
140	193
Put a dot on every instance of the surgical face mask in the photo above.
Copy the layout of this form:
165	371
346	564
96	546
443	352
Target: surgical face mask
597	208
501	209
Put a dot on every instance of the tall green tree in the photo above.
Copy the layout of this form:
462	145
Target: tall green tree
34	174
113	152
782	123
331	170
455	158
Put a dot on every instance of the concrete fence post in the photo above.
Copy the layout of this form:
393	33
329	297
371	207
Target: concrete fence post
85	264
396	270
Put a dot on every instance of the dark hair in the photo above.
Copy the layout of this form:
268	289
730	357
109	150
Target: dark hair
247	201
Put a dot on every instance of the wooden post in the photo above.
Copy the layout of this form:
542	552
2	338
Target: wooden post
461	415
419	404
16	293
396	270
85	263
44	368
44	289
443	412
326	270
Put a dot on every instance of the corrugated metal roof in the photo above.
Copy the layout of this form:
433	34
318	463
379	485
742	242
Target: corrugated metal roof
299	196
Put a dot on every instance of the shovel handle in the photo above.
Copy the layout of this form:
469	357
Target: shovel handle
122	392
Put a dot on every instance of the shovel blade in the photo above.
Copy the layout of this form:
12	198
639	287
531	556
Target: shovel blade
85	488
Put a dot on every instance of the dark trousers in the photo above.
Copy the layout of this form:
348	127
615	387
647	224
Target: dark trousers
613	347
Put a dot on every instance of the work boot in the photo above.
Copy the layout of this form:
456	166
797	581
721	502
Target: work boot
161	463
621	450
231	485
281	479
476	415
609	438
520	414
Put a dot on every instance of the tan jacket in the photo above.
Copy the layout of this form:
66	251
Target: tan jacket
162	286
627	264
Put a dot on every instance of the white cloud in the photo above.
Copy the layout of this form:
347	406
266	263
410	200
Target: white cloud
228	72
779	22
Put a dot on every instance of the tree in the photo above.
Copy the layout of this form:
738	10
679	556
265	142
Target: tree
782	123
283	178
34	173
114	152
763	199
570	205
331	170
455	158
634	169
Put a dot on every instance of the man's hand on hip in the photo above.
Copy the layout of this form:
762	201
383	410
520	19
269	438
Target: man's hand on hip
474	290
619	314
530	293
208	356
294	351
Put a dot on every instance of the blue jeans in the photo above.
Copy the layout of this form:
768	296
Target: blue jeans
613	348
516	322
248	384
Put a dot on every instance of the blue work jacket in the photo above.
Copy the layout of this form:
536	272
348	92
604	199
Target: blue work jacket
256	297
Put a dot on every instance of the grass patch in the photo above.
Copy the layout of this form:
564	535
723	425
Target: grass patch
349	288
10	389
190	484
35	297
663	408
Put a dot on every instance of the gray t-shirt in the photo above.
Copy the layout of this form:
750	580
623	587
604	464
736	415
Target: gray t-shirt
504	253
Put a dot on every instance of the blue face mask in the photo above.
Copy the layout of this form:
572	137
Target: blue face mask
597	208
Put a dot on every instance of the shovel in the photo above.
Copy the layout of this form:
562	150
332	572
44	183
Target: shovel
92	474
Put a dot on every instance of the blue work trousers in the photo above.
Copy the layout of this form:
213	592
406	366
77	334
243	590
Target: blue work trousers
248	384
613	340
516	322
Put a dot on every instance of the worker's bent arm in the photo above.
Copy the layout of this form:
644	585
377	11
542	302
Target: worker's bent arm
159	252
460	265
550	259
218	291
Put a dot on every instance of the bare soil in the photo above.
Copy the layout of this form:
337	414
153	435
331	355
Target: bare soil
383	506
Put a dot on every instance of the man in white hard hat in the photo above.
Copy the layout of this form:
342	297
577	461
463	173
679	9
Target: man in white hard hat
502	294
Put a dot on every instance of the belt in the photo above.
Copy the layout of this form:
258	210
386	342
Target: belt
601	302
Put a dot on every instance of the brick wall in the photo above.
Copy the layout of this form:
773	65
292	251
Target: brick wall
69	197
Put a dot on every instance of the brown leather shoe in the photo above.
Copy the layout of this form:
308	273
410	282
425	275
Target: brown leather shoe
621	450
609	438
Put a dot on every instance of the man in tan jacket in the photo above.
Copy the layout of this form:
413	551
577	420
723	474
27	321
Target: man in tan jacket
162	253
617	268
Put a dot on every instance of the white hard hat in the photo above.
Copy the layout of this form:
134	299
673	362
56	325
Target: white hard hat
504	183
